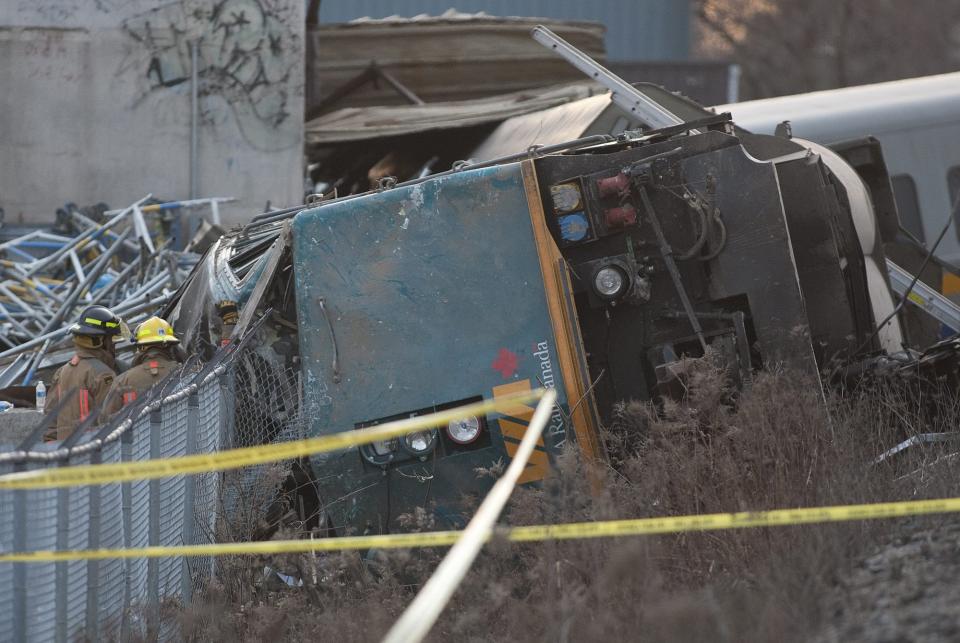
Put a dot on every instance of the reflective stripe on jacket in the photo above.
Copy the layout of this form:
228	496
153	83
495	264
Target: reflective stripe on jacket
87	378
149	367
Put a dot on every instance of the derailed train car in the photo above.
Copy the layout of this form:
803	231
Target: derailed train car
593	269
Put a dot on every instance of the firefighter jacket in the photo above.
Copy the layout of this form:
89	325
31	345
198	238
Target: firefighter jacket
90	374
149	367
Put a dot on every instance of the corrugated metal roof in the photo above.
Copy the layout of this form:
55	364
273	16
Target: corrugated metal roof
636	29
439	59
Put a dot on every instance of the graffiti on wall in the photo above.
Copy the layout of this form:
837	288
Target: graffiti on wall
248	55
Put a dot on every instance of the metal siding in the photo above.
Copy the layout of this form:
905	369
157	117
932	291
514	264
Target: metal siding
420	255
636	29
433	294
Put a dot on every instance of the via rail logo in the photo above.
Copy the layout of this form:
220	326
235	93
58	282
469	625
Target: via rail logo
515	419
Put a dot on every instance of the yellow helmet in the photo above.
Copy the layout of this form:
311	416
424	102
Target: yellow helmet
155	331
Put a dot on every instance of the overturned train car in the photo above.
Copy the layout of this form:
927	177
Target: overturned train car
594	271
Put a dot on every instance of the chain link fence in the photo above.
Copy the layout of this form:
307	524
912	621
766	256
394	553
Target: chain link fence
267	409
191	411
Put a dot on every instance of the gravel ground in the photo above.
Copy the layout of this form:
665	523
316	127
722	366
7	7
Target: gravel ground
906	591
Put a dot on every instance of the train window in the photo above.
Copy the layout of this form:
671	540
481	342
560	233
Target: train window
953	183
905	193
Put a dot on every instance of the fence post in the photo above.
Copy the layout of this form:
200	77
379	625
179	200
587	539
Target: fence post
153	534
93	566
189	495
126	495
226	410
19	569
225	438
62	568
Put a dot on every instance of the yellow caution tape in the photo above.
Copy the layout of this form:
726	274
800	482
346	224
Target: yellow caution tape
96	474
568	531
740	520
916	298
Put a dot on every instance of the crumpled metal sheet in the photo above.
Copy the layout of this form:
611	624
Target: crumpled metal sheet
360	123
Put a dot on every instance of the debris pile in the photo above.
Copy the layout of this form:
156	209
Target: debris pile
123	259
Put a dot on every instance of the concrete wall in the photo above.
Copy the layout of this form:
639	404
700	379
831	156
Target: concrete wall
95	102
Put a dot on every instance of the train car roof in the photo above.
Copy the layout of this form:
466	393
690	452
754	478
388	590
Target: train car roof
838	114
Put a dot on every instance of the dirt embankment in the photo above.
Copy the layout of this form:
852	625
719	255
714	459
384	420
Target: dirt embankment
773	446
905	591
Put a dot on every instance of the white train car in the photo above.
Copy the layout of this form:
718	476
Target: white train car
917	122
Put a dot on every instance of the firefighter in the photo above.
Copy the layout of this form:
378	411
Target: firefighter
90	372
154	361
229	316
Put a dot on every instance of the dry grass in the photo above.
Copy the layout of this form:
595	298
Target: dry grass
776	445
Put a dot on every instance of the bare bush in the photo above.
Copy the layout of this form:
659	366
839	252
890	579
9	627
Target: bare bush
779	444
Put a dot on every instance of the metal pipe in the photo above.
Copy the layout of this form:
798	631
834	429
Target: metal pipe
53	237
20	609
19	240
153	528
77	268
29	309
36	341
14	322
142	298
40	287
62	569
29	258
126	513
93	542
40	300
733	83
41	245
666	252
107	290
35	362
91	277
12	371
194	116
625	95
187	203
140	227
142	305
148	287
87	222
189	494
110	213
268	217
38	265
83	236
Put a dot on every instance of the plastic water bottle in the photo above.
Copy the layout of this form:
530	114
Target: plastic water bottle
41	395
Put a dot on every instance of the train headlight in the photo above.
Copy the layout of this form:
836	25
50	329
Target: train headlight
566	197
380	453
385	447
420	443
464	430
610	282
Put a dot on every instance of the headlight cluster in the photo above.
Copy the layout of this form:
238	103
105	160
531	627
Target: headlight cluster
420	444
